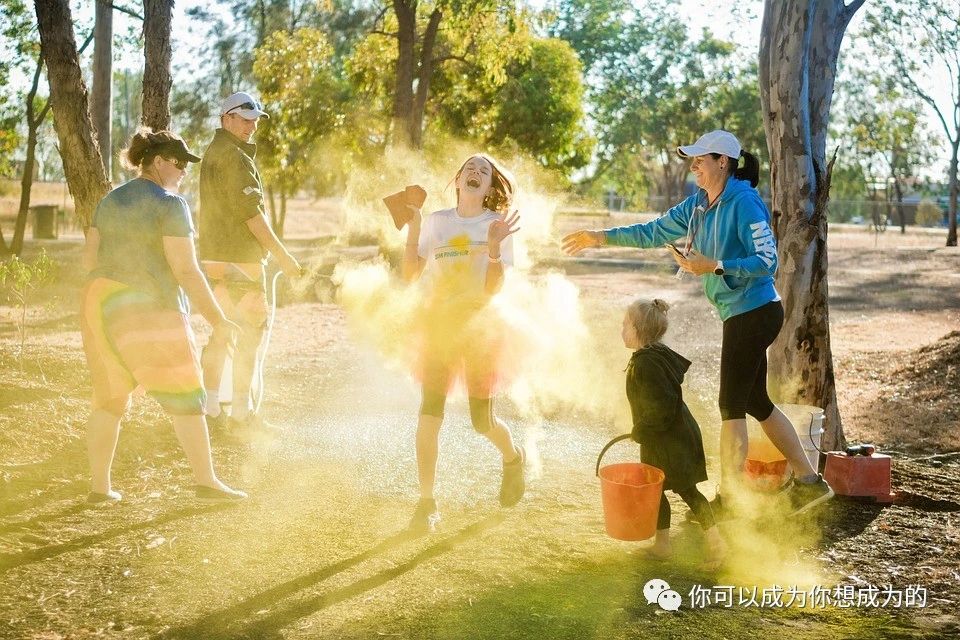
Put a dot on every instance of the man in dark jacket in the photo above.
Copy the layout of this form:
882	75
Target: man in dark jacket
235	241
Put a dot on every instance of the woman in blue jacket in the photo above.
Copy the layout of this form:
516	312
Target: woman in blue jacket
729	242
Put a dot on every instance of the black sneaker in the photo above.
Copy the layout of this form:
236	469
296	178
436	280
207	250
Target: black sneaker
426	517
721	512
804	496
211	494
512	485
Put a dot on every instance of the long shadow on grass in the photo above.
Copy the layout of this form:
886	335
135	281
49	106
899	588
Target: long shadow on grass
603	598
12	560
233	622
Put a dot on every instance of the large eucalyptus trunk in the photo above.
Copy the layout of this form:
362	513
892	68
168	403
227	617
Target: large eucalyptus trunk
799	47
101	89
82	165
156	69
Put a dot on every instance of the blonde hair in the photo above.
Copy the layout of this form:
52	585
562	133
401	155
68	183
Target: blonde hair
649	319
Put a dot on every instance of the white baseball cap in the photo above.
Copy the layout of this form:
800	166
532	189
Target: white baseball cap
719	141
244	105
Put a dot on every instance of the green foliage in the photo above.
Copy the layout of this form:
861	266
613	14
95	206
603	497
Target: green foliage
654	87
19	278
884	127
477	42
541	106
19	47
929	214
537	110
305	99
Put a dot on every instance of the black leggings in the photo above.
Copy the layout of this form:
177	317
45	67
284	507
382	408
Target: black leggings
743	362
697	503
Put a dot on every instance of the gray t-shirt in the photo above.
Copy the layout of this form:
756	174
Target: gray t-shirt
132	221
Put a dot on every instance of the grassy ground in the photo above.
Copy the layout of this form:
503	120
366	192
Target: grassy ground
319	550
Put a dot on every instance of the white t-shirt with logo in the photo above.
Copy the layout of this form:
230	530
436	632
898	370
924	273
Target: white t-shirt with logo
455	249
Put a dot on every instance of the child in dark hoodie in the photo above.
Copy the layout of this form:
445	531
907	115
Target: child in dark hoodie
663	425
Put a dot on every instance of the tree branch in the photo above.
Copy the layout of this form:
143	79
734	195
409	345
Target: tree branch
384	33
129	12
442	59
851	9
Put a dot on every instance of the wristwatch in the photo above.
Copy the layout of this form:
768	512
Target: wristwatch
718	270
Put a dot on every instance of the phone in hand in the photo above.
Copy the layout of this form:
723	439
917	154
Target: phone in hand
673	248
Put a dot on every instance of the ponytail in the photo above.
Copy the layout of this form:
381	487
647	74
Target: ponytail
750	171
146	145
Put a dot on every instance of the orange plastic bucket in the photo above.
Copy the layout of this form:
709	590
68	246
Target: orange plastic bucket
631	493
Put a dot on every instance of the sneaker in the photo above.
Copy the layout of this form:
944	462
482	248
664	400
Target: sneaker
217	424
804	496
211	494
252	426
512	485
426	517
721	512
100	498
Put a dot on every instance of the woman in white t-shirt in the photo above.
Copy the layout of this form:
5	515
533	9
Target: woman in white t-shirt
461	254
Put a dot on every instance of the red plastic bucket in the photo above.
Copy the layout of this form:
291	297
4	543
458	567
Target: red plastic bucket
631	493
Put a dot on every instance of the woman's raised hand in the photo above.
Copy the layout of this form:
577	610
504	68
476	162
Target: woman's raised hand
501	228
577	241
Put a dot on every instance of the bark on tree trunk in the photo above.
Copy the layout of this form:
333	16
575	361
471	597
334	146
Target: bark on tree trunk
101	90
156	68
423	79
898	191
799	45
26	181
82	165
406	12
952	218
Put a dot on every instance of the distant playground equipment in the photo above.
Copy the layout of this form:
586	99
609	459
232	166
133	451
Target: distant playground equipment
631	493
765	468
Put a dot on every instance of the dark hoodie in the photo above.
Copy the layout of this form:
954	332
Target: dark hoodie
662	424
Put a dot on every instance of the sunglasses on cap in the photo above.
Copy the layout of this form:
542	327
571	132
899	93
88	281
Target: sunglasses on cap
246	106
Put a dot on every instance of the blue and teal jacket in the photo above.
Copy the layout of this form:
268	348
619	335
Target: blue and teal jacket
736	230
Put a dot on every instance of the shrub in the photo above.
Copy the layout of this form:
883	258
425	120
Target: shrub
928	213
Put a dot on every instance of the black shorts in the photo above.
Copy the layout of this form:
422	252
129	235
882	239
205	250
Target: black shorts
743	362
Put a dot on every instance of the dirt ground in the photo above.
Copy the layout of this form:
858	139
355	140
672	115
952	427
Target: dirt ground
319	550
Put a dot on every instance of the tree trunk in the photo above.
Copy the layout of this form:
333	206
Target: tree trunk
406	11
156	68
283	213
898	192
68	95
799	46
423	79
26	181
101	90
952	219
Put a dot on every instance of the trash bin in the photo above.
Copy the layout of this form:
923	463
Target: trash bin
45	221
